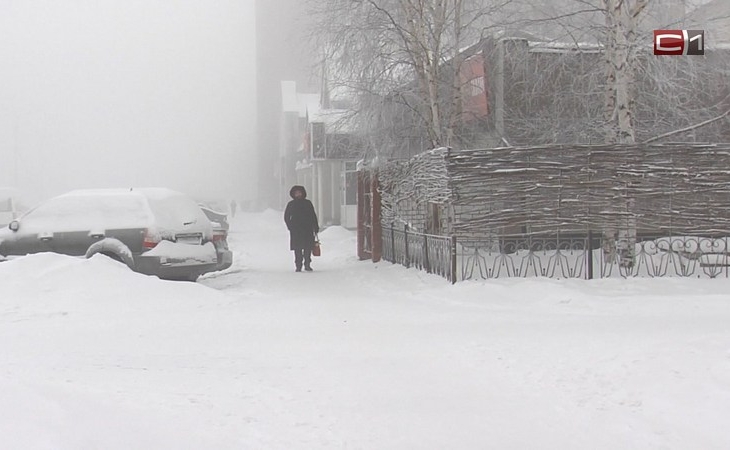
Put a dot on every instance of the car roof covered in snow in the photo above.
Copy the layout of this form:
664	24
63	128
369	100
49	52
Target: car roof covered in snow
160	209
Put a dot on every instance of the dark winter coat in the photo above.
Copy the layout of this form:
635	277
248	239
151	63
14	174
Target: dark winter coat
301	220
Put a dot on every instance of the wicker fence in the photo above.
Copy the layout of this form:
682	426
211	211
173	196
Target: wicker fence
559	211
671	188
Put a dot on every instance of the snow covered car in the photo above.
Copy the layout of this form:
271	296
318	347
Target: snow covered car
154	231
219	221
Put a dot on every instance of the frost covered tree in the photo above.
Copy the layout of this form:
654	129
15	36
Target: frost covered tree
649	97
399	60
620	46
401	57
642	96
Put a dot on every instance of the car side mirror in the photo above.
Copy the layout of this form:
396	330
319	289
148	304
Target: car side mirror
14	225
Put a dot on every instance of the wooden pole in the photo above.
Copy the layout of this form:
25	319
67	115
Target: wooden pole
377	227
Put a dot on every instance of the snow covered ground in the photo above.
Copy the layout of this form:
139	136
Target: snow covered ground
355	355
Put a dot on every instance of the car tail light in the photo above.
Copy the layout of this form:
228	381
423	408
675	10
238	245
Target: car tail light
149	241
218	237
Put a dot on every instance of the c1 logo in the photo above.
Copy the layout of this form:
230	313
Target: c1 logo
679	42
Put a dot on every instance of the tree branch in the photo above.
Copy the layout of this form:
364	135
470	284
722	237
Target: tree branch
689	128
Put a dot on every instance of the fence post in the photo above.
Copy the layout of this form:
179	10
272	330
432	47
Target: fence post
376	226
393	255
407	262
453	259
361	226
590	254
426	264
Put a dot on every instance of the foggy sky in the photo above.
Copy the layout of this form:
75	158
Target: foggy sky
111	93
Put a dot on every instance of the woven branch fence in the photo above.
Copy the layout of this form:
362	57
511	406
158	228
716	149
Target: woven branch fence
626	202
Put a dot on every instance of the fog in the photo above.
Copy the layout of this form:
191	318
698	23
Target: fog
108	93
284	52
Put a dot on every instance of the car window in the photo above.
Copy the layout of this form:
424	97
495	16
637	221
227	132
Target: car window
178	213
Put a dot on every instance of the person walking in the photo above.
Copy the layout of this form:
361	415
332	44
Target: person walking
301	220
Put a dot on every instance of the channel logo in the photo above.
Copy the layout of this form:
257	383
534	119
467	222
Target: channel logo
679	42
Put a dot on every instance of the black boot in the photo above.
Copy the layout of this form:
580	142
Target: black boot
308	268
298	259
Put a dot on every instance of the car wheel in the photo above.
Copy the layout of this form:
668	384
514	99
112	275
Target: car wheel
193	277
113	256
113	248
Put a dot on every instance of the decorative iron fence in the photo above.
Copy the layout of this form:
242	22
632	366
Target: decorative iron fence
584	257
524	257
427	252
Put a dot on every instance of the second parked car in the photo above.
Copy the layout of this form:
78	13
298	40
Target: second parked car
219	221
153	231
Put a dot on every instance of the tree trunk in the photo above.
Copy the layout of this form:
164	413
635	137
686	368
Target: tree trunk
455	115
621	23
426	62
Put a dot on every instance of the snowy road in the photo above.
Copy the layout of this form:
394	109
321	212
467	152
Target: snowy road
355	355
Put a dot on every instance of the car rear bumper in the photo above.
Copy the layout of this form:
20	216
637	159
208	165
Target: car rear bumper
181	262
165	269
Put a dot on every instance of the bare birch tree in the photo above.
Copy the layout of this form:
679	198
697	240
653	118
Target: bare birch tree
620	43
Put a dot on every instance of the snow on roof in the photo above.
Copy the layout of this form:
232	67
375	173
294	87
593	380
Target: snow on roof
504	35
308	104
297	102
541	44
562	47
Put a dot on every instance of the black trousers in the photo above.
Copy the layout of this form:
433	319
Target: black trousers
302	255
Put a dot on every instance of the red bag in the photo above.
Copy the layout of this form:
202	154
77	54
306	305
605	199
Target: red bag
316	250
